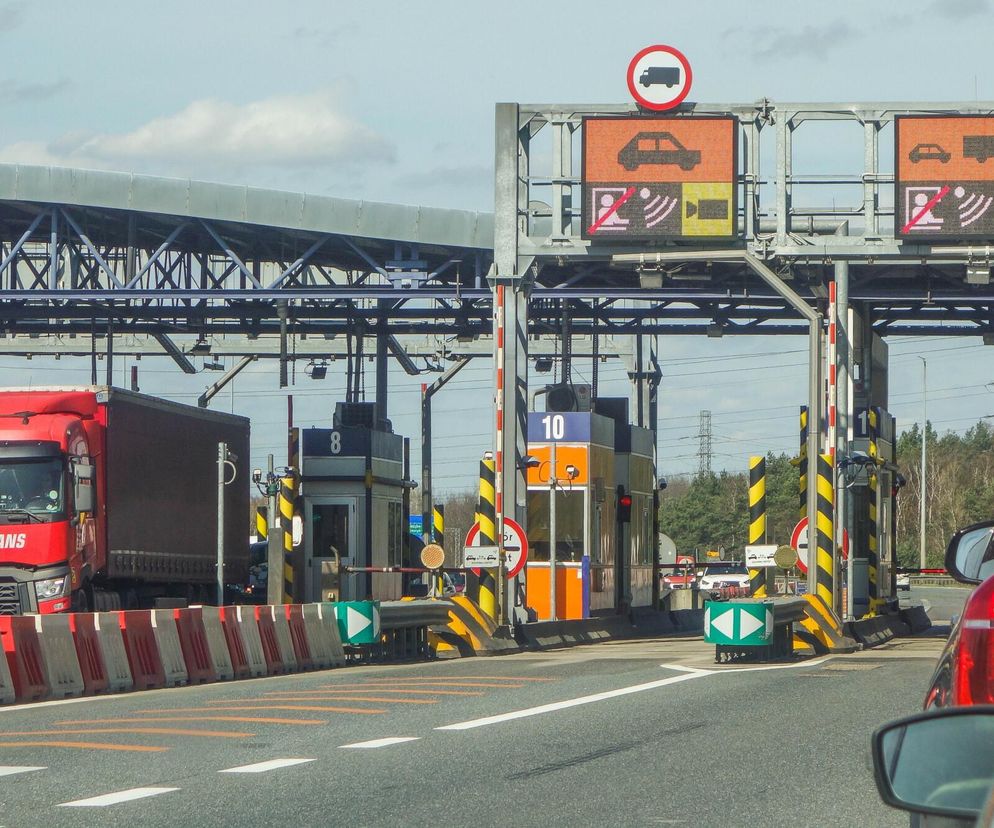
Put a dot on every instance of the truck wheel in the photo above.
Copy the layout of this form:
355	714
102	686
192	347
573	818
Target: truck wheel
79	601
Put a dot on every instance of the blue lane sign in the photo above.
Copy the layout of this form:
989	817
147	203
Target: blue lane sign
550	427
416	525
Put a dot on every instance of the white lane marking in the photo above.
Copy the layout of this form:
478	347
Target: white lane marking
562	705
378	743
262	767
731	670
10	770
115	798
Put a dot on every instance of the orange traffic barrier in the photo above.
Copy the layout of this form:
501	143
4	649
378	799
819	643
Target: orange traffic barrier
142	649
24	657
108	627
236	642
270	644
89	652
298	636
217	644
193	645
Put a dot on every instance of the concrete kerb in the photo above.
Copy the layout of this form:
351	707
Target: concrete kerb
877	630
65	678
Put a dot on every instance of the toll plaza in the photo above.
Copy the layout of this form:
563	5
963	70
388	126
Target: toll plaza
590	496
352	497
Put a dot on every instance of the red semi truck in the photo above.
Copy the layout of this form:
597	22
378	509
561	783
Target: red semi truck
108	499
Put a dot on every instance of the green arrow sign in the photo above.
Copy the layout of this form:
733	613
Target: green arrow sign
739	623
358	621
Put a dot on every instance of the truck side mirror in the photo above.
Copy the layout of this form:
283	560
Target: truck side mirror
83	486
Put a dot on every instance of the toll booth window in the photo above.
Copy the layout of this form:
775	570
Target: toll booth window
569	525
330	528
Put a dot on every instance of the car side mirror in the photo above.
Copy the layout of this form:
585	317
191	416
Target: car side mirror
937	763
970	554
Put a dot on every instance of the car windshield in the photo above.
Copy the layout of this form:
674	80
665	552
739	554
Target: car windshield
726	569
33	486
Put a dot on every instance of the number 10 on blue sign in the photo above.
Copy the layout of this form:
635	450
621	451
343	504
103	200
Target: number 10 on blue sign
573	427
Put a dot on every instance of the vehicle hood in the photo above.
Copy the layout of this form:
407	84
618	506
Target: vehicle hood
34	544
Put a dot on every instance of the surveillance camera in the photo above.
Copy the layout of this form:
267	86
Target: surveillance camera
572	472
662	484
256	475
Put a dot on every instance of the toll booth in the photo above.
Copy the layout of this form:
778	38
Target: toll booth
353	496
873	496
582	458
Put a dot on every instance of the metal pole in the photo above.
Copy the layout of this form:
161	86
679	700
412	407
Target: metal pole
843	418
222	455
921	505
552	533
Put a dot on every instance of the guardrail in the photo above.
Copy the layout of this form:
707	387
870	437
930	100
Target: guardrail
404	631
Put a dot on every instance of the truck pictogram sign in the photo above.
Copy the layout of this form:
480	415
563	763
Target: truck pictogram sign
659	178
945	177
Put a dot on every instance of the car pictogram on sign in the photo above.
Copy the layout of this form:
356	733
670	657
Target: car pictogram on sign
657	148
929	152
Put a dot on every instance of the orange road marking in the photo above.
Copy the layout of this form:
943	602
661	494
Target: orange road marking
337	697
358	688
85	745
169	731
250	719
266	706
468	678
445	684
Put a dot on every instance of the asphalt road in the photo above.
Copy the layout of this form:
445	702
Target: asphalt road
631	733
942	602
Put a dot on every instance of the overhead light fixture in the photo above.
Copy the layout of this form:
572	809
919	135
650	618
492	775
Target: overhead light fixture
200	347
543	365
213	365
978	274
715	331
316	370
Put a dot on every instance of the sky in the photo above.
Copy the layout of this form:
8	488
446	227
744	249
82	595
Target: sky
394	101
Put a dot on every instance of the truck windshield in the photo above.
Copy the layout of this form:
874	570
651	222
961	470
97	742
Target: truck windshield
33	486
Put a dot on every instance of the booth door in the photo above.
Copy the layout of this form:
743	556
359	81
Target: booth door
332	524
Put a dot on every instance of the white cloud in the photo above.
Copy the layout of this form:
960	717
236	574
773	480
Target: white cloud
219	136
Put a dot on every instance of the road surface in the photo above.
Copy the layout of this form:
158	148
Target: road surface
628	733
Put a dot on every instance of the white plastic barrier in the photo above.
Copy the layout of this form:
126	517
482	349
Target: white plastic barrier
61	663
170	650
317	637
217	644
108	628
249	629
284	639
6	680
329	622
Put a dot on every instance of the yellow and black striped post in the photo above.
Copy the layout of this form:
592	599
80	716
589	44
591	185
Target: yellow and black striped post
262	522
757	520
287	496
803	465
287	500
872	554
438	536
486	514
825	533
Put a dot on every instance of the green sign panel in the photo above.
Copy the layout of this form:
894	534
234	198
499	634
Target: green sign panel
739	623
358	621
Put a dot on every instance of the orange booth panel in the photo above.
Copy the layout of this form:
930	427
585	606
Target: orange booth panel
569	590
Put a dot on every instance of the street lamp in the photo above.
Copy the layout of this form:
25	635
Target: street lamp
921	505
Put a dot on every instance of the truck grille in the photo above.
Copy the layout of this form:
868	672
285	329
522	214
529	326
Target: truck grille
10	604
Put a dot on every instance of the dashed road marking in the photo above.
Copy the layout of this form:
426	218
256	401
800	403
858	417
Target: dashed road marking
378	743
445	683
11	770
562	705
384	689
263	767
115	798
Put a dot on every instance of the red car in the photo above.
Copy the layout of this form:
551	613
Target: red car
964	674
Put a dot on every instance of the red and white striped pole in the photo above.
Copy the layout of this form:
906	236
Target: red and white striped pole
499	445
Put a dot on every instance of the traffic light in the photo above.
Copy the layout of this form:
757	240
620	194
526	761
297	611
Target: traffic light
624	506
